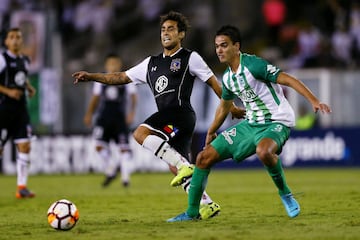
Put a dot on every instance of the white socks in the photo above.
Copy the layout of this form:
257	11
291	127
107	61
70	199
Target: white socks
22	167
164	151
125	166
109	167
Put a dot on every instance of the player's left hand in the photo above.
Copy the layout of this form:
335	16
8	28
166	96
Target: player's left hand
323	107
31	91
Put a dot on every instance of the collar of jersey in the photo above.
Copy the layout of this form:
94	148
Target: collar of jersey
173	53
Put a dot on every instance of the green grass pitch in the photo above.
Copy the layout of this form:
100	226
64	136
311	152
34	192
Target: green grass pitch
251	208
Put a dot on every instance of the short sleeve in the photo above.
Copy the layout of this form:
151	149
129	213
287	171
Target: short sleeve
97	88
199	68
262	69
2	63
138	73
227	94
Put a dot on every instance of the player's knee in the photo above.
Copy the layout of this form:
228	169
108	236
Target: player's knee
137	135
265	155
24	147
261	153
140	134
203	160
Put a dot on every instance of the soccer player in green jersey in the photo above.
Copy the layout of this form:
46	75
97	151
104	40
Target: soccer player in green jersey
265	129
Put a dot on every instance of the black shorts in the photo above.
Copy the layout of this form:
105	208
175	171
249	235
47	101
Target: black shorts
177	126
14	124
107	129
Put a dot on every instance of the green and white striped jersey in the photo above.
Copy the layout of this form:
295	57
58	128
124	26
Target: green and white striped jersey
255	84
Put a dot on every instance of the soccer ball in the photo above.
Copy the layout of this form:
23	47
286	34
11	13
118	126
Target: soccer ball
62	215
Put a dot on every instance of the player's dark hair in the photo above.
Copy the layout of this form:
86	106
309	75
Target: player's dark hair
232	32
4	34
182	22
14	29
111	55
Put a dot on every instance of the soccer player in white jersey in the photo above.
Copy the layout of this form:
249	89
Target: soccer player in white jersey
265	129
170	76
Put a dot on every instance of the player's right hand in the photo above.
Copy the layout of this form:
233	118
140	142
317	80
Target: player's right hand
81	76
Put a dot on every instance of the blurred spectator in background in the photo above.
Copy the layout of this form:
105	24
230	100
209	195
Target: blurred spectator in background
355	29
4	11
309	45
274	12
151	9
342	43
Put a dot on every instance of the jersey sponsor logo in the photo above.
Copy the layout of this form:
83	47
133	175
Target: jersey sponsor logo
248	95
161	83
228	134
111	93
153	69
271	69
175	64
20	78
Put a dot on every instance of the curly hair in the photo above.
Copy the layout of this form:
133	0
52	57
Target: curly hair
182	22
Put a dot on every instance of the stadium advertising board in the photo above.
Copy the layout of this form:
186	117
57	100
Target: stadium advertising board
76	154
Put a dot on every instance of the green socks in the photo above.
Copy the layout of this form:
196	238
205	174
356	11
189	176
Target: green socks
199	181
197	187
277	174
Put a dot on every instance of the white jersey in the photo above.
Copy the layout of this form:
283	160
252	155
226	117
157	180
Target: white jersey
255	84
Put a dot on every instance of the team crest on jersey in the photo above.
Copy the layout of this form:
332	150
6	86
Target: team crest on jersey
20	78
161	83
175	64
240	78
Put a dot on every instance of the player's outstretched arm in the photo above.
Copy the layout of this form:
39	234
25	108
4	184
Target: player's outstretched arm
117	78
301	88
